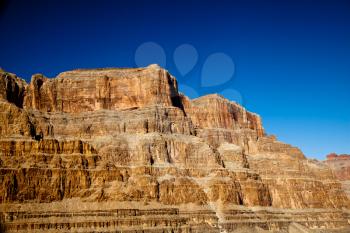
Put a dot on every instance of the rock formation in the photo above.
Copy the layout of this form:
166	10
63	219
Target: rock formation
121	150
340	164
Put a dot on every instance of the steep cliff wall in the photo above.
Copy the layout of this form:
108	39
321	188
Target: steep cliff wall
91	90
340	165
122	150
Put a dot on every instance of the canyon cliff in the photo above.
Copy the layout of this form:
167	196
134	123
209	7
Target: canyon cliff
122	150
340	165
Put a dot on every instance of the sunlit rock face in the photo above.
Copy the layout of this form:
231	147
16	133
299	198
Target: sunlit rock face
120	149
92	90
340	165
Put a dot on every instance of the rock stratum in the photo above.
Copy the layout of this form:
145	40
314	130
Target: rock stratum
340	164
121	150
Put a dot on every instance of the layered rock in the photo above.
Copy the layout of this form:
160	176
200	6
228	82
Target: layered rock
340	165
122	150
112	89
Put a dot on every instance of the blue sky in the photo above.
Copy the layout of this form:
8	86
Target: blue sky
291	58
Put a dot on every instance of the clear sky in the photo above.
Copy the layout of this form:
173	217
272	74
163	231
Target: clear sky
290	59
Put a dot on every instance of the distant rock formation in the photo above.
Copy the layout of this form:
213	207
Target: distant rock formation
340	164
120	149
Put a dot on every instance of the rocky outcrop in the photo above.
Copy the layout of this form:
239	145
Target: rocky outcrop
122	150
340	165
91	90
12	88
214	111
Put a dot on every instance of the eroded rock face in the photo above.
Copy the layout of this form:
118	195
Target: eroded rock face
340	165
91	90
12	88
213	111
121	149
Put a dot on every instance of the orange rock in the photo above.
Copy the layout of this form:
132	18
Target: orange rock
122	149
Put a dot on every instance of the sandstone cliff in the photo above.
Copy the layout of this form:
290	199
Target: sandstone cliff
122	150
340	165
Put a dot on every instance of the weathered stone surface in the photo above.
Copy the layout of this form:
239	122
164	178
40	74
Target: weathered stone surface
214	111
90	90
15	122
340	165
121	150
12	88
